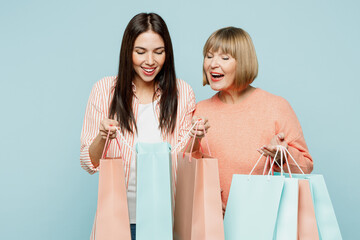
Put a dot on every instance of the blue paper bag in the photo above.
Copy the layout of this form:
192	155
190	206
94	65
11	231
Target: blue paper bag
287	219
154	192
325	215
252	207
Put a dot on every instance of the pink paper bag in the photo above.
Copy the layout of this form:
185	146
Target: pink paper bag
112	215
198	208
307	227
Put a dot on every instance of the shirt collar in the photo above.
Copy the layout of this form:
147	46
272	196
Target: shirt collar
157	90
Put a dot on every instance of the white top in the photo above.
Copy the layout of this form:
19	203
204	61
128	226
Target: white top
148	131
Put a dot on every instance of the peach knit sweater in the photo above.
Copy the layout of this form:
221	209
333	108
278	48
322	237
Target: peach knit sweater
238	130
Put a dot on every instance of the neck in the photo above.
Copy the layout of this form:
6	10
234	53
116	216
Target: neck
141	84
234	96
144	90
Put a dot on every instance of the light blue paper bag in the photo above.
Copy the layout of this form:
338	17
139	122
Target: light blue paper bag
252	207
327	224
154	192
325	215
287	219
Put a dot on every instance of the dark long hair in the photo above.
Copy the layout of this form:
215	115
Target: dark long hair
121	104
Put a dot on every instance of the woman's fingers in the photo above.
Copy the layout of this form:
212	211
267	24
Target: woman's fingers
223	209
112	131
108	127
272	148
111	125
267	152
198	134
206	126
198	130
104	135
281	136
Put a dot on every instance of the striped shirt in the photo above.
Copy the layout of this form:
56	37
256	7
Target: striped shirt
98	109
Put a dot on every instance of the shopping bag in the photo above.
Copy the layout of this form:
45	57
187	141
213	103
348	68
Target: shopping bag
112	216
287	217
154	192
324	211
307	227
198	207
295	221
252	206
327	224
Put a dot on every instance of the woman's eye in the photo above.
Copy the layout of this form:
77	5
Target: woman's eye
159	53
140	53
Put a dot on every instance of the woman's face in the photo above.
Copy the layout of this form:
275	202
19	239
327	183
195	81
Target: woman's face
148	55
220	70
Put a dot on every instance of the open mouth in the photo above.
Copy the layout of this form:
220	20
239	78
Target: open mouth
148	71
216	76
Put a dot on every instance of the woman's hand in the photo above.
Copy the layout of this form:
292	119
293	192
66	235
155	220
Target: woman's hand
107	124
202	127
270	149
222	203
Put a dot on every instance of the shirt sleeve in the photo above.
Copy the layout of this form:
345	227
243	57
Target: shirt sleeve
93	115
289	124
185	124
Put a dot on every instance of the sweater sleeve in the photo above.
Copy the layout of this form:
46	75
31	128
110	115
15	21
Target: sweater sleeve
288	123
188	96
93	115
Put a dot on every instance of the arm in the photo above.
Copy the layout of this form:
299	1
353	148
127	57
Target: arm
185	123
92	140
289	134
298	149
97	146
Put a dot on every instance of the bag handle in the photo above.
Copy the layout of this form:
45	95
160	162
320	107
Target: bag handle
107	146
266	163
273	160
206	141
124	141
196	125
257	162
185	137
192	145
193	142
283	155
285	152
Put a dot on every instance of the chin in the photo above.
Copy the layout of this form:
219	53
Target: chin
147	79
215	88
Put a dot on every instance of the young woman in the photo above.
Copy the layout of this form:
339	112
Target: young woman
245	121
144	100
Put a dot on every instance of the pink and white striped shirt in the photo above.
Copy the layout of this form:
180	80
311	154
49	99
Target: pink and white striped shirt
98	108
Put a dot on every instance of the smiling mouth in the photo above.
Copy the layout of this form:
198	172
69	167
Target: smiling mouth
216	76
148	71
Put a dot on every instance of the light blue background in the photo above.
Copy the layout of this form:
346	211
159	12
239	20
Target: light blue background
52	52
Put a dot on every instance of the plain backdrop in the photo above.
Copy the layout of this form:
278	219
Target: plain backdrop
52	52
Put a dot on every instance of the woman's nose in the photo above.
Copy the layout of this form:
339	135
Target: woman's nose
214	63
150	59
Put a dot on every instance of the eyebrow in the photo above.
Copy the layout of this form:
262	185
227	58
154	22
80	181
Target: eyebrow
158	48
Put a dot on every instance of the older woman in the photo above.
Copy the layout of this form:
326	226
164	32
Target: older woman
245	120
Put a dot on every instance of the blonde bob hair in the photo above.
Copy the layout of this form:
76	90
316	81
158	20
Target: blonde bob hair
237	43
